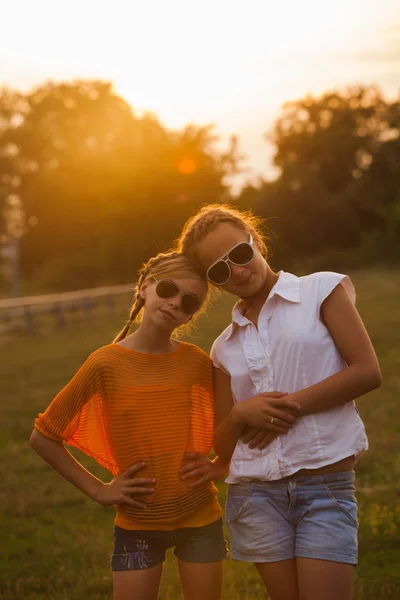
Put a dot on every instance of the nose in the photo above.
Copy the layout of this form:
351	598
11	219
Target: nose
236	270
174	301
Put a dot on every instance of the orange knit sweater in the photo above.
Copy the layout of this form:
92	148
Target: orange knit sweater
124	406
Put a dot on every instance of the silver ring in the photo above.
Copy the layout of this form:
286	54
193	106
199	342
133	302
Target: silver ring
272	420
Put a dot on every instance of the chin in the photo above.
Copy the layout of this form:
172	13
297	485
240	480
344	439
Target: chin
163	325
250	289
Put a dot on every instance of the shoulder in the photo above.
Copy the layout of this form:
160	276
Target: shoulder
93	369
220	348
222	338
322	283
194	352
196	364
103	358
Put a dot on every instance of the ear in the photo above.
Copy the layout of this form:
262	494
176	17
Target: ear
143	288
263	251
258	245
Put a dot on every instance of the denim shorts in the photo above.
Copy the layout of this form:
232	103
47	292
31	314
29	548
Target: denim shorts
141	549
311	517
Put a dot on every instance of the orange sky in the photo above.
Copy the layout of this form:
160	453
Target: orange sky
232	63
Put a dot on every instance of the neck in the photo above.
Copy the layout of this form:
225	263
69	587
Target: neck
257	301
150	339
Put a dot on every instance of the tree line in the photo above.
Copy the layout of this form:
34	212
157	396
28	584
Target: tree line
93	189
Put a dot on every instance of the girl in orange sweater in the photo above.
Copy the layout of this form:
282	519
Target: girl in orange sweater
143	408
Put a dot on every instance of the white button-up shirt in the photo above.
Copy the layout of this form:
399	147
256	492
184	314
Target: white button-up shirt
291	350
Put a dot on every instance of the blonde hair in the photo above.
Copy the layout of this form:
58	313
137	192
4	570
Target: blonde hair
173	264
209	217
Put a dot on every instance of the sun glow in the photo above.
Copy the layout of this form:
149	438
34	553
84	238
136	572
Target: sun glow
228	62
183	74
183	58
230	55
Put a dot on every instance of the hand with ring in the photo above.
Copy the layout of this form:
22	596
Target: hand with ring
270	411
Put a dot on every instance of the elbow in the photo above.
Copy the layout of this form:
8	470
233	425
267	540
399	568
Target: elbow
224	455
376	378
38	441
225	458
34	439
373	378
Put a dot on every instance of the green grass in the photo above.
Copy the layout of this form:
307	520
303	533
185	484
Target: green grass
56	542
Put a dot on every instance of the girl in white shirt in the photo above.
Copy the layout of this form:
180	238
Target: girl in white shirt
288	369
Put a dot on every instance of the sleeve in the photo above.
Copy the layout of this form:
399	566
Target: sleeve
215	359
327	281
60	420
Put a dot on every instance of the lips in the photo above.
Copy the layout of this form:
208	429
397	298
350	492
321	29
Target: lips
168	314
244	281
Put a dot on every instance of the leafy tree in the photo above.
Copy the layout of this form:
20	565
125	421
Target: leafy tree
106	187
337	156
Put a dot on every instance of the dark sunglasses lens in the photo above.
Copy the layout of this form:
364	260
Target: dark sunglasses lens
219	273
190	304
242	254
166	289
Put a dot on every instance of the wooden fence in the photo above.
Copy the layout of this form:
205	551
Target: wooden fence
21	313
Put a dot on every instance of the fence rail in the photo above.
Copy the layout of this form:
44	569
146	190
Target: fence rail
20	313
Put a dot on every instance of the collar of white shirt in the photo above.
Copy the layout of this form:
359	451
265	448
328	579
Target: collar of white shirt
287	287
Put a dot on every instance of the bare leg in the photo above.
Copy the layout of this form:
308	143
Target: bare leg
142	584
201	581
324	579
280	579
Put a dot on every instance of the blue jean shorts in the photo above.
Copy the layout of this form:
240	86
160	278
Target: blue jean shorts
134	550
311	517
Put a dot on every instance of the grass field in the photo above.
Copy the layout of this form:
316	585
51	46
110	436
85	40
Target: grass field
55	542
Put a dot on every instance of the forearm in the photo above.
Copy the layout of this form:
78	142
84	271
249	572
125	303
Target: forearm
352	382
226	436
58	457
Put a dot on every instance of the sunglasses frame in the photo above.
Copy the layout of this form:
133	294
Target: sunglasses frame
225	258
180	293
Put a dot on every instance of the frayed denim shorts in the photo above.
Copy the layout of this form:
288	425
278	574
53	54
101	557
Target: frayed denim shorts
310	517
134	549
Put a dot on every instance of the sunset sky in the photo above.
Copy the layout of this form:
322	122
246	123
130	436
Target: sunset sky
231	63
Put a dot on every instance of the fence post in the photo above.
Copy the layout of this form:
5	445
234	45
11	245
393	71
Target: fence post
59	314
110	304
28	319
88	304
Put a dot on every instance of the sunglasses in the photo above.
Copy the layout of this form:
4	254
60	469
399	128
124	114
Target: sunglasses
241	254
166	288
